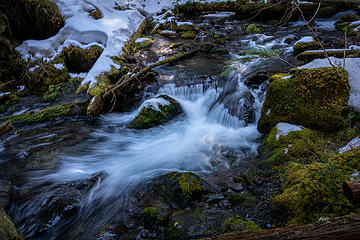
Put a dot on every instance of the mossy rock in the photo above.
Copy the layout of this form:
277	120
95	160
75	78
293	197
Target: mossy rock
314	190
300	47
51	113
314	98
46	74
52	92
103	81
142	43
187	27
165	109
79	60
176	45
180	187
346	20
167	33
188	35
8	230
236	224
305	146
195	223
309	56
252	28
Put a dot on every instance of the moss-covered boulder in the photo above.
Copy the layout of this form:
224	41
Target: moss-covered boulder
79	60
155	112
180	188
51	113
306	43
236	224
314	98
186	27
8	230
45	74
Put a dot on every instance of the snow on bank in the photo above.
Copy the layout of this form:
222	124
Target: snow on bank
110	32
155	104
355	143
352	66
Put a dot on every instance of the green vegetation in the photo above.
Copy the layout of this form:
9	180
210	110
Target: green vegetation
52	93
236	224
188	35
191	185
51	113
144	44
252	28
304	46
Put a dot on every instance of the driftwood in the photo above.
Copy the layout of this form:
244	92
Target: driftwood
352	191
347	227
126	79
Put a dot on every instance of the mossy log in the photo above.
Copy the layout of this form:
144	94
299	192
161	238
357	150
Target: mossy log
347	227
352	191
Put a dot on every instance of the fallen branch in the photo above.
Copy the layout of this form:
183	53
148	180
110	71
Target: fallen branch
125	79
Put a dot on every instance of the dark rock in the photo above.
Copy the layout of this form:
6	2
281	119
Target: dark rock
237	187
180	188
256	80
197	223
5	188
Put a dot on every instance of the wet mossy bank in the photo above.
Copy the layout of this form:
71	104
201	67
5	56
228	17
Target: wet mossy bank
308	158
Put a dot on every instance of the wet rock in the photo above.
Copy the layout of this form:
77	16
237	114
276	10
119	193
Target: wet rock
155	112
180	188
244	199
256	80
197	223
306	43
8	230
314	98
78	60
237	187
213	198
5	188
6	127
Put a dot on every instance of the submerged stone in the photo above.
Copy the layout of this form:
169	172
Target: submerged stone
155	112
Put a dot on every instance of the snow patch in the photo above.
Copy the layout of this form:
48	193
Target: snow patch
59	66
5	94
355	143
284	129
33	68
154	103
352	66
307	39
140	40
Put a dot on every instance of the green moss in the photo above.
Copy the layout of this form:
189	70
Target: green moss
303	46
236	224
44	76
144	44
188	28
151	212
51	113
99	87
79	60
149	117
175	45
278	76
309	56
252	28
191	185
3	108
188	35
8	230
314	190
52	93
314	98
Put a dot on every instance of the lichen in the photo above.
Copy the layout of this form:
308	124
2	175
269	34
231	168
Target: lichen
236	224
314	98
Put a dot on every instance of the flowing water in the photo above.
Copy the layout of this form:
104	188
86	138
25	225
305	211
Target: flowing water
217	131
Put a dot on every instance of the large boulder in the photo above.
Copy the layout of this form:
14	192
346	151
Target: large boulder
155	112
314	98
